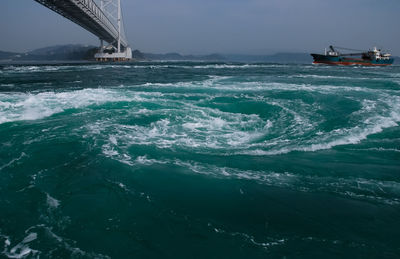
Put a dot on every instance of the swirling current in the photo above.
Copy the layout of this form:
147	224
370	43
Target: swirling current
199	160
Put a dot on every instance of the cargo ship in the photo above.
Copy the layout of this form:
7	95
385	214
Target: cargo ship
373	57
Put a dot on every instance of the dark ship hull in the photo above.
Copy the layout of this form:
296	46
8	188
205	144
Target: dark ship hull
348	61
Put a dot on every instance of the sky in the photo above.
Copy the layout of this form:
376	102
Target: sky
217	26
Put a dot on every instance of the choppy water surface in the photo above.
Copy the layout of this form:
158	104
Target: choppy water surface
199	160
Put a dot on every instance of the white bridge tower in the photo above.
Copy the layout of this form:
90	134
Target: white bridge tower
114	51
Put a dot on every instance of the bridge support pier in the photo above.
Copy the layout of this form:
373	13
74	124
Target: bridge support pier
114	57
112	54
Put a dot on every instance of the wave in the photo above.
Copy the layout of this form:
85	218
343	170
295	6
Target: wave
208	130
369	122
44	235
30	106
267	243
378	149
189	124
22	249
372	190
190	127
204	130
73	68
234	84
345	137
212	81
59	68
331	77
13	161
271	241
52	202
239	66
381	191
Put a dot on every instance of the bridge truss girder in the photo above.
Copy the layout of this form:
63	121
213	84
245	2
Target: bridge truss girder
87	14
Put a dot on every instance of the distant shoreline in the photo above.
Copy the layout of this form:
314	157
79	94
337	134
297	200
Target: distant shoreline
80	54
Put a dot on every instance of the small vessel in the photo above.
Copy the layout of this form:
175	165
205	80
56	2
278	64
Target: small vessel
373	57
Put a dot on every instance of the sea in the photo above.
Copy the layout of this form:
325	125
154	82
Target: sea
199	160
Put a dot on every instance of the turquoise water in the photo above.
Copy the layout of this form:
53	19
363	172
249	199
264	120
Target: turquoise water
199	160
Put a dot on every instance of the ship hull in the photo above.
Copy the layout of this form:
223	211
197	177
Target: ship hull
344	61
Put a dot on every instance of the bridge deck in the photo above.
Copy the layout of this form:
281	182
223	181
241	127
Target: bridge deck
88	15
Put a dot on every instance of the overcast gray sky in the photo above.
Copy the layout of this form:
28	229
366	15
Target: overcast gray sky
223	26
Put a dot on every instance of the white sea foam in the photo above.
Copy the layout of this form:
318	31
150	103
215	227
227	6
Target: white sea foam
331	77
267	243
327	141
370	120
196	128
258	85
42	233
75	251
28	106
164	134
382	191
212	81
144	160
379	149
238	66
52	202
58	68
5	242
190	126
13	161
209	66
187	125
22	249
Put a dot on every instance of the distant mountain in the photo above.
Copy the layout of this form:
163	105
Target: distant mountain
54	53
177	56
8	55
59	50
299	58
62	52
137	55
83	52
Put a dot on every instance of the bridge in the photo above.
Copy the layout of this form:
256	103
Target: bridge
103	18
